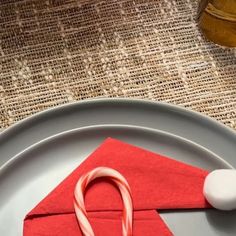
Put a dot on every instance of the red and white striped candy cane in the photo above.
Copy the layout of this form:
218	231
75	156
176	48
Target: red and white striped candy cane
122	184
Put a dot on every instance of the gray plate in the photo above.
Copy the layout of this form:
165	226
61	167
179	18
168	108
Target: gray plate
191	125
28	177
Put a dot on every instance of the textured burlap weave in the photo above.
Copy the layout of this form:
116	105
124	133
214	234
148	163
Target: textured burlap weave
59	51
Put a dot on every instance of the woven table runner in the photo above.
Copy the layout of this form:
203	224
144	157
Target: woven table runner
59	51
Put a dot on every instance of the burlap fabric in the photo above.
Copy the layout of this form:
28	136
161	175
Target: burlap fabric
59	51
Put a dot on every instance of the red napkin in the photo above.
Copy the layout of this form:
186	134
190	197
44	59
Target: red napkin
156	182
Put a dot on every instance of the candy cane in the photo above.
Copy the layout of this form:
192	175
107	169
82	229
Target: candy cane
124	188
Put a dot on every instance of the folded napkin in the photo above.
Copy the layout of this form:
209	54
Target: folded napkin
156	183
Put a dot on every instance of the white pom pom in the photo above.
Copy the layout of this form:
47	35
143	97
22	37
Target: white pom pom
220	189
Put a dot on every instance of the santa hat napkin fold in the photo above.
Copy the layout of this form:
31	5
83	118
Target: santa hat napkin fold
156	183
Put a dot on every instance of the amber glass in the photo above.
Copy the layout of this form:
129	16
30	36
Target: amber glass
218	21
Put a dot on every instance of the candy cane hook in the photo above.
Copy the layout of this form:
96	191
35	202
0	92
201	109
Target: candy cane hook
124	188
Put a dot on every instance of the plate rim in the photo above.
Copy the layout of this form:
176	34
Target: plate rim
51	138
32	118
